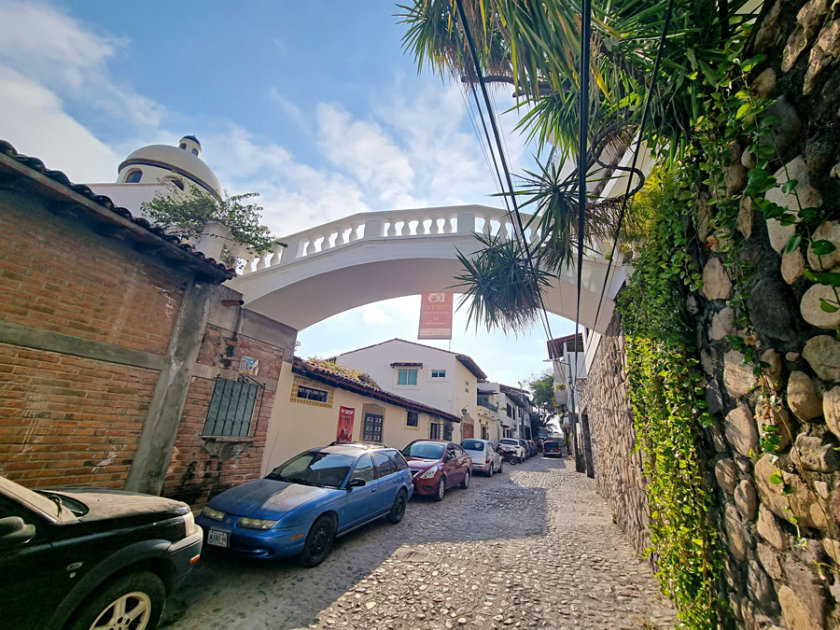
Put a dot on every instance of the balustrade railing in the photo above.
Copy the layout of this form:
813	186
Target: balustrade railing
395	224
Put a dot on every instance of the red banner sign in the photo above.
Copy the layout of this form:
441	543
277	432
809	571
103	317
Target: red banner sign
345	424
436	316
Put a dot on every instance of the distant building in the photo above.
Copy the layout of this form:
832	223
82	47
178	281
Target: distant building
319	402
439	378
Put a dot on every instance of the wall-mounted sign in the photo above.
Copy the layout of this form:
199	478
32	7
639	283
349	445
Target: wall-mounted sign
345	424
435	316
249	365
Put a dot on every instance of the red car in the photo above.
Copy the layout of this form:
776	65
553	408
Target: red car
437	466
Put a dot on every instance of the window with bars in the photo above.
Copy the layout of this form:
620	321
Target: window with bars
310	393
447	431
231	408
434	431
372	430
412	419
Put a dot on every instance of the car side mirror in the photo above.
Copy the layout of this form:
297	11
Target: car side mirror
14	531
357	482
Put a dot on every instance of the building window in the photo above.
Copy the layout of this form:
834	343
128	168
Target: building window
310	393
133	176
447	431
183	146
174	181
407	376
372	431
434	431
231	408
438	373
412	419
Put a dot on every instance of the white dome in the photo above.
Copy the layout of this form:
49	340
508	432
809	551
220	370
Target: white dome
162	160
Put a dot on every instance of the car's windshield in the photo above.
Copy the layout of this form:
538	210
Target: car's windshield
315	468
424	450
473	445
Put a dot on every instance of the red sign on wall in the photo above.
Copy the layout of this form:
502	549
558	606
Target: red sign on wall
345	424
435	316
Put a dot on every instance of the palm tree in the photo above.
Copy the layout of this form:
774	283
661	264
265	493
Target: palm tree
534	46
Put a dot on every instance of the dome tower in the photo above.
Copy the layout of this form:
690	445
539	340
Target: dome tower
179	166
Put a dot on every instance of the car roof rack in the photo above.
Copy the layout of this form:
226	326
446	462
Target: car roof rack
360	444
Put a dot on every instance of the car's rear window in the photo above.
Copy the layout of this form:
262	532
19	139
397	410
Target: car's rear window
551	445
506	441
424	450
473	445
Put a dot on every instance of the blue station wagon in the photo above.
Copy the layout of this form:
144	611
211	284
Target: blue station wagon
302	505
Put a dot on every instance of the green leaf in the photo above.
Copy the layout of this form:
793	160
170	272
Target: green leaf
827	306
789	186
822	247
831	278
793	243
776	478
743	111
758	181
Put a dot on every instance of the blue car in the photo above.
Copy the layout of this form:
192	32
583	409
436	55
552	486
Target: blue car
302	505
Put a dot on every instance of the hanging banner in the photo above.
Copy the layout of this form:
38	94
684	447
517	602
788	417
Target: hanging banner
345	424
436	316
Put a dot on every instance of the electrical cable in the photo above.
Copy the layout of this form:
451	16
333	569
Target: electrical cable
585	36
519	231
653	82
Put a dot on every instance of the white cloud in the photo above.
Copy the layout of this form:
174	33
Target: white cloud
364	150
65	56
34	122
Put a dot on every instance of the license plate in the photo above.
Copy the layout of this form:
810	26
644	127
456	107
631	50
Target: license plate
218	538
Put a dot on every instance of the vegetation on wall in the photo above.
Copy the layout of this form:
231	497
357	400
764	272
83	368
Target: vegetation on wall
665	387
186	213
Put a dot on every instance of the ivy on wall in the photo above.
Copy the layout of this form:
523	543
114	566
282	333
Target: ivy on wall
668	403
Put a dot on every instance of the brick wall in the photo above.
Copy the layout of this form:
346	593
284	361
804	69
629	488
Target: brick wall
67	420
55	276
201	468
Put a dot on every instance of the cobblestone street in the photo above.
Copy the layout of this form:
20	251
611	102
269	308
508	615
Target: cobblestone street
534	547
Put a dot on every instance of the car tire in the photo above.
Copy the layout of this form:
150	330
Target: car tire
138	595
398	509
491	471
465	483
441	489
319	542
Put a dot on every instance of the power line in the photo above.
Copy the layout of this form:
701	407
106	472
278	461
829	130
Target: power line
654	79
519	230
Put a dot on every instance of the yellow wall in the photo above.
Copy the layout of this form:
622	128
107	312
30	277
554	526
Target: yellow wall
297	425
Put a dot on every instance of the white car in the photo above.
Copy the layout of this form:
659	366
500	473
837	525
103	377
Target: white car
484	456
514	449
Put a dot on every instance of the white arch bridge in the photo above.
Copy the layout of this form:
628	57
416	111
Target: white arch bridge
374	256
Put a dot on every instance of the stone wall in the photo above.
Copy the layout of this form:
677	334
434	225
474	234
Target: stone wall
618	471
780	513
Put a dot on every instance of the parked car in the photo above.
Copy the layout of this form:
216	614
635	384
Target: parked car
532	445
527	447
300	507
485	458
552	448
513	449
90	558
437	466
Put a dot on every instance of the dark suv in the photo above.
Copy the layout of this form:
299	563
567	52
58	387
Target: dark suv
87	557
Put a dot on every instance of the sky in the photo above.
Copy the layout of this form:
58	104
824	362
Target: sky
314	105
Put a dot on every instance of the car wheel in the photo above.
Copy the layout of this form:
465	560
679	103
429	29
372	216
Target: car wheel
491	471
398	509
466	482
134	601
319	542
441	489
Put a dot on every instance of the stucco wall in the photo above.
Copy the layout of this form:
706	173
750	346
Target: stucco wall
296	424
